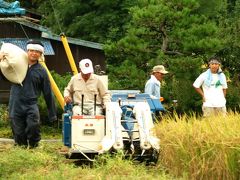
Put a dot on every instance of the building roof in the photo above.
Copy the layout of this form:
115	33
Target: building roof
47	34
22	43
74	41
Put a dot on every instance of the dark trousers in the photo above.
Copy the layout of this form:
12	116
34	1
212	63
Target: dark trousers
25	123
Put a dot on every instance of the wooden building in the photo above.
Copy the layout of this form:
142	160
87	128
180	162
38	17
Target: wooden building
18	30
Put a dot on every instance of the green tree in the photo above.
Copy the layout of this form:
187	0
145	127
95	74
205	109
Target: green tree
174	33
229	23
31	4
93	20
180	34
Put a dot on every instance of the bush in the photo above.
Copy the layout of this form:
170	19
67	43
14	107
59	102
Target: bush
127	77
61	81
178	84
233	98
3	115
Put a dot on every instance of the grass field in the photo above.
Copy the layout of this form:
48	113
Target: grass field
191	148
46	162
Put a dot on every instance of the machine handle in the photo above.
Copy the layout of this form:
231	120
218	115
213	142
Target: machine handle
82	102
95	103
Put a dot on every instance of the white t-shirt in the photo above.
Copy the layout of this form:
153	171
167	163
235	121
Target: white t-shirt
214	96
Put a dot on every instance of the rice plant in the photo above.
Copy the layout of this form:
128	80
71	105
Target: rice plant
204	148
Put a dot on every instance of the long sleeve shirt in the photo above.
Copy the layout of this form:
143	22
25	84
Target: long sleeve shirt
152	87
35	83
94	85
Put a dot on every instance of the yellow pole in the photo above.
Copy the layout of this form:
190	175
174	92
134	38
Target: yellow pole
69	54
54	86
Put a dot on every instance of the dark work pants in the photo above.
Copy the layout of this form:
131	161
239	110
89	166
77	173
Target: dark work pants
25	123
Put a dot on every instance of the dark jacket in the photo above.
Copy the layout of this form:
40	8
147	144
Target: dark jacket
35	82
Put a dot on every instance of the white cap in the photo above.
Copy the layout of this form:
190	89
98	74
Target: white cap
86	66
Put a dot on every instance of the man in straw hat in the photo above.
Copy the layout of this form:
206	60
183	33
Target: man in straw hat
153	85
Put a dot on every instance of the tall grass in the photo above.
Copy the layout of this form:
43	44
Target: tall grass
207	148
191	147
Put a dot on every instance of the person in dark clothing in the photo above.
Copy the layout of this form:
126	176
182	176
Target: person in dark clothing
23	108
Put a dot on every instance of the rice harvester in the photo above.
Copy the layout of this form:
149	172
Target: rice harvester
126	125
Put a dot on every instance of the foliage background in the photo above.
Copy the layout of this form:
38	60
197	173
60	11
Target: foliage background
138	34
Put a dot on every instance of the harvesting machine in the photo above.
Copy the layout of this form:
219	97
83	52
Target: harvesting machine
127	125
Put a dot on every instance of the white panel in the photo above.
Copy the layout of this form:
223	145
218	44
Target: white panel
87	142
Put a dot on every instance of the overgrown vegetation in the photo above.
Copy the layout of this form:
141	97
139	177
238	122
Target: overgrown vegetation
4	122
138	34
3	115
191	148
61	81
181	34
202	148
47	131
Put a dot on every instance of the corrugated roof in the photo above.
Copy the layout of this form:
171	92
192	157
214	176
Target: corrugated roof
46	33
32	25
74	41
22	43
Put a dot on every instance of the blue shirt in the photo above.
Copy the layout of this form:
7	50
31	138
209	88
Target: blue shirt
152	87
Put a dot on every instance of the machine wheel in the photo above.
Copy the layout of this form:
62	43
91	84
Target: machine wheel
153	159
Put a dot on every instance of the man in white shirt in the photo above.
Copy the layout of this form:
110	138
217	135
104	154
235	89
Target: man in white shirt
153	85
212	86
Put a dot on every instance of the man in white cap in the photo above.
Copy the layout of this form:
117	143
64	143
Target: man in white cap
212	86
23	109
153	85
87	88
